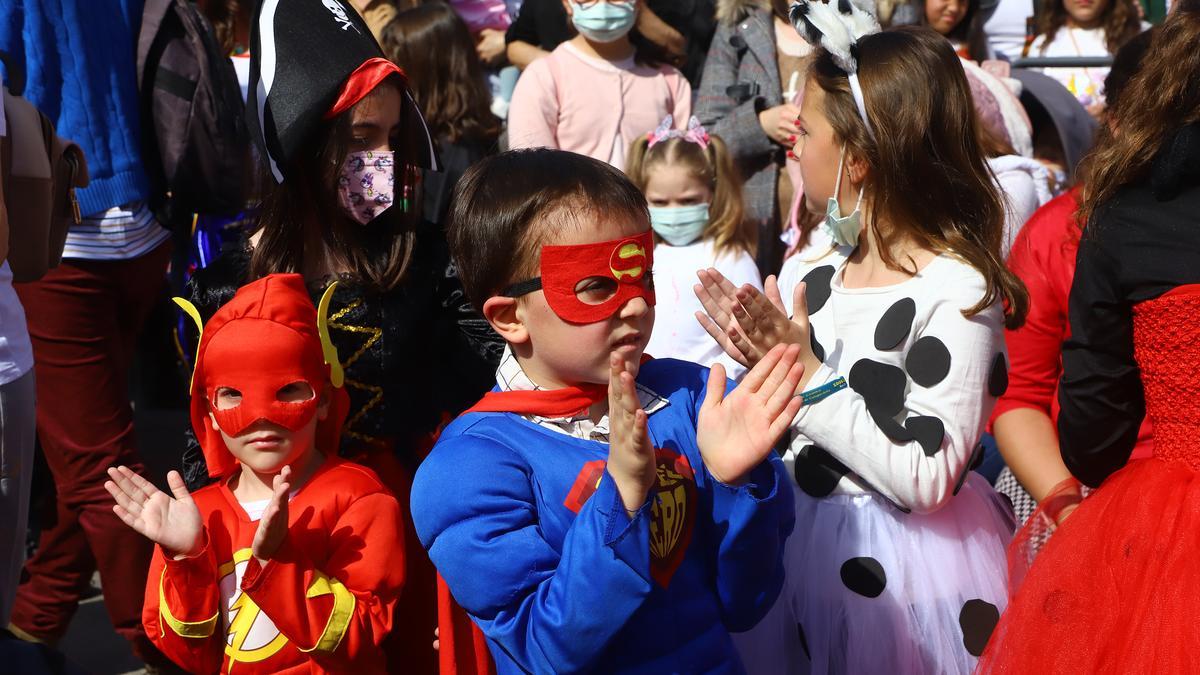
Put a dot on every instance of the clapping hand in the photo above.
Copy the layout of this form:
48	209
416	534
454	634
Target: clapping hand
737	431
273	526
173	524
748	323
631	461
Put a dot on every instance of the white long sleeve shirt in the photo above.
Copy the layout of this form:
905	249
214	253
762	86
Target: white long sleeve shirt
923	380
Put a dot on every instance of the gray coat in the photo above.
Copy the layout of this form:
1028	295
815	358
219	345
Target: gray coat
741	79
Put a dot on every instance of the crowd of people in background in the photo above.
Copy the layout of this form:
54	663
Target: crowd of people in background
764	336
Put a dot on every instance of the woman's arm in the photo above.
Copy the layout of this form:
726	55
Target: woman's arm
1029	443
521	53
1021	423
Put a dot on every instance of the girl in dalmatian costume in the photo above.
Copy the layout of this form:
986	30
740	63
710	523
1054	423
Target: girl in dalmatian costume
897	563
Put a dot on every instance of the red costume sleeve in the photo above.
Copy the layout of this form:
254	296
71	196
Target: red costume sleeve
1043	256
340	609
181	613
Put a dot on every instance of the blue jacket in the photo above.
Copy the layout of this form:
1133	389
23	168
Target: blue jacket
532	537
80	59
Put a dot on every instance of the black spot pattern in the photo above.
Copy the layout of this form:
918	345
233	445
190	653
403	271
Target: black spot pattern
881	385
998	377
974	462
817	291
895	324
927	431
817	472
977	457
928	362
864	576
803	641
818	350
977	619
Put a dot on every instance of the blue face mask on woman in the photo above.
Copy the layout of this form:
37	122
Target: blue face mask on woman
603	21
843	229
679	225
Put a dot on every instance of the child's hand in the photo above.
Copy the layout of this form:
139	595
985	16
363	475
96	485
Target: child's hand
748	324
737	432
490	47
174	524
630	455
718	296
273	525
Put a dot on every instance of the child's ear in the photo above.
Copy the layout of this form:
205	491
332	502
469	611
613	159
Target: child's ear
856	168
502	314
324	402
569	9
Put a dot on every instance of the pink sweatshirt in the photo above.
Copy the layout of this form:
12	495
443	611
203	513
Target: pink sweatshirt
591	106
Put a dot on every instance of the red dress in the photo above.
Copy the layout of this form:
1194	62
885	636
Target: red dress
323	603
1117	588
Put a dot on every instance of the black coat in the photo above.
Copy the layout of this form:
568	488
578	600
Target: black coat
1141	244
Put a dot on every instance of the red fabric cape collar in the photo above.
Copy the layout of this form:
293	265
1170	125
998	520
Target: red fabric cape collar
564	402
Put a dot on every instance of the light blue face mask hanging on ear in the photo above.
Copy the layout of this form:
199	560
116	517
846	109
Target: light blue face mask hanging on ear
843	229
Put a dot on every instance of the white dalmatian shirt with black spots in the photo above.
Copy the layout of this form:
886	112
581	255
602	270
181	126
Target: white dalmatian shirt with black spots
923	379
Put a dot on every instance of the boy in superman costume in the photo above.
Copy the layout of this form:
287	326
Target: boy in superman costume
292	561
598	511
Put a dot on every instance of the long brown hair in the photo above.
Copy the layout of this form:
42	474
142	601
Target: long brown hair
929	179
305	207
1162	97
727	226
434	47
1120	21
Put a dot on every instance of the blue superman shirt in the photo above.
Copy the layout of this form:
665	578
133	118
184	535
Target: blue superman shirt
534	542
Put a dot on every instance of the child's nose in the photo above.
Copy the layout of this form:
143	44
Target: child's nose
634	308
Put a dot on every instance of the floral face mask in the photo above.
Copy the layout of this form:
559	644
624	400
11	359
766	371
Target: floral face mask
367	185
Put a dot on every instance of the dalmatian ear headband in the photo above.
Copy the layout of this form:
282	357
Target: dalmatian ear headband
837	26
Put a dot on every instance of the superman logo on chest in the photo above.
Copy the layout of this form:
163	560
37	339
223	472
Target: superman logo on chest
672	508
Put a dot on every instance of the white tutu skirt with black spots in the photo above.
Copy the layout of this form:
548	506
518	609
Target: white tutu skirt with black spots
871	589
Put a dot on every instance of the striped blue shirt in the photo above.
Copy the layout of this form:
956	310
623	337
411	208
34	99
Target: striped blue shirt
120	233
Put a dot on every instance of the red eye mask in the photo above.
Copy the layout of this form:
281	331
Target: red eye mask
626	261
262	340
236	359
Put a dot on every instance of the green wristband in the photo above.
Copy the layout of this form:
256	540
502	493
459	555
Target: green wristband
822	392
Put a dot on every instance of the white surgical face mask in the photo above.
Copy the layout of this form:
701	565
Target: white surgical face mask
679	225
843	229
604	21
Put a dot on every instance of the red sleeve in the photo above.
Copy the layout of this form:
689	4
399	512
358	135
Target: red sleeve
180	614
339	613
1041	255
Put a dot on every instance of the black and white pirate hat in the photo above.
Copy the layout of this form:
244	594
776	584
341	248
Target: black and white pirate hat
302	53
